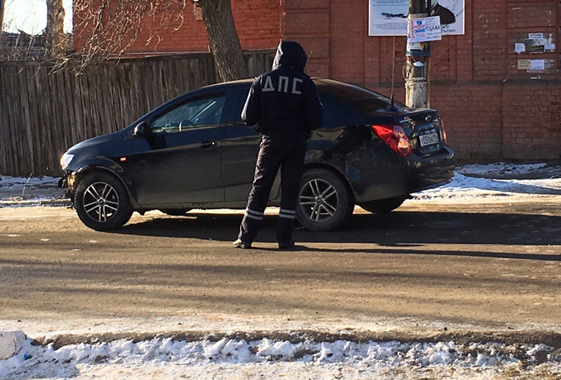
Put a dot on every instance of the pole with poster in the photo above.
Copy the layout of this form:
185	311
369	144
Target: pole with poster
409	18
417	55
420	31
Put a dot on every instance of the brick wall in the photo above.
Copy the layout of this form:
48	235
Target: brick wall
308	22
493	106
258	23
532	120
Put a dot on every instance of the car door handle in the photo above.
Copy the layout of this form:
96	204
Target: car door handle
208	144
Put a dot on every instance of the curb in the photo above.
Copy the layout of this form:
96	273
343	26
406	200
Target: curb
549	338
36	203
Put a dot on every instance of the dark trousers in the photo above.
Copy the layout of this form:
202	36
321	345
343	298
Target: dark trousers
287	153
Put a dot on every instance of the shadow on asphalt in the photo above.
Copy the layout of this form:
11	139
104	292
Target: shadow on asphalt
398	229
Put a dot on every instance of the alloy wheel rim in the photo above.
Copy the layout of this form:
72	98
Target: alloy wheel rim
101	201
319	200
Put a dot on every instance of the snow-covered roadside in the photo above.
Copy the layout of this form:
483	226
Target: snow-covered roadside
265	358
228	358
498	180
32	191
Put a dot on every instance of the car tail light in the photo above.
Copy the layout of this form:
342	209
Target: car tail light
394	136
443	133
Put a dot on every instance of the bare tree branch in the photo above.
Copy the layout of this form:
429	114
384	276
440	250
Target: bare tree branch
109	27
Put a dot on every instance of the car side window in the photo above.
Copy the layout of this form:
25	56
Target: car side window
196	113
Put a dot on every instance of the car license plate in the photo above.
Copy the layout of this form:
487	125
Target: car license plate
429	139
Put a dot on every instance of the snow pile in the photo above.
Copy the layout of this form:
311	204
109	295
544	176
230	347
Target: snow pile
180	357
10	343
501	169
469	187
499	179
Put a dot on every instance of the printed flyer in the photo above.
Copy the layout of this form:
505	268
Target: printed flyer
389	17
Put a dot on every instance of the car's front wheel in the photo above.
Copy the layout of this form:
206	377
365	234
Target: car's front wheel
325	201
102	202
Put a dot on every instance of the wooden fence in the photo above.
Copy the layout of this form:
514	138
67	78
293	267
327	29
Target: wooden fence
44	111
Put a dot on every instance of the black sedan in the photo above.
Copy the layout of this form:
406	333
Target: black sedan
195	152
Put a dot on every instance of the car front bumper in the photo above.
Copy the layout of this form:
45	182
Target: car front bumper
68	181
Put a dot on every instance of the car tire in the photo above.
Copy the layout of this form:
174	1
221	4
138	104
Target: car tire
383	206
325	201
102	202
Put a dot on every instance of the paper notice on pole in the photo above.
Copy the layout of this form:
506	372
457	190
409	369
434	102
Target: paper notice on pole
424	29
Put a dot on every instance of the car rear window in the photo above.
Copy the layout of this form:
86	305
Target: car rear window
360	99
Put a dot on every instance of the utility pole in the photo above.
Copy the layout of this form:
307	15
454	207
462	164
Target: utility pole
417	61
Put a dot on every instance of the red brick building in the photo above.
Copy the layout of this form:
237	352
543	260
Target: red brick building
496	103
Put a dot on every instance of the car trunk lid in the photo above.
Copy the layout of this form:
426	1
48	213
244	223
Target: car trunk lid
425	131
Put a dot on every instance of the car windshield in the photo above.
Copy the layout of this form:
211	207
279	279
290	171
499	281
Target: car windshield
360	99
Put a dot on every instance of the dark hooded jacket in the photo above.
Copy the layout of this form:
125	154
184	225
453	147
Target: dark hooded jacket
284	100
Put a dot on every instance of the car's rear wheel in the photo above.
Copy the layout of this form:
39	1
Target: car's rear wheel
325	201
383	206
102	202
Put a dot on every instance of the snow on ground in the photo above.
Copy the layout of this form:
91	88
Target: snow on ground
230	358
499	179
32	191
265	358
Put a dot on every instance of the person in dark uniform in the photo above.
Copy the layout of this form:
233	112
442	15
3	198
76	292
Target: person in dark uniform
284	107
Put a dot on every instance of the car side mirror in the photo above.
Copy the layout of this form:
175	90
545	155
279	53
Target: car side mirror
140	129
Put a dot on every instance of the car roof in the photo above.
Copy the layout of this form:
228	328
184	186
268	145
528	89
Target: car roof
320	82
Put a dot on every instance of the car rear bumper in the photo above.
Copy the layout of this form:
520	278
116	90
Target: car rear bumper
431	171
402	176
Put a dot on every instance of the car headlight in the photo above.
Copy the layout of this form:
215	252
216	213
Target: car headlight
65	160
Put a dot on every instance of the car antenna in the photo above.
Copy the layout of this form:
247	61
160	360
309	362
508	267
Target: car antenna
392	96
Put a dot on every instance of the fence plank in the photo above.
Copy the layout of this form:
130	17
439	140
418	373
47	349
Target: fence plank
44	111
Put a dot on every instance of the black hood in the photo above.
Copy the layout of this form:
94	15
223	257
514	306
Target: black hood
290	53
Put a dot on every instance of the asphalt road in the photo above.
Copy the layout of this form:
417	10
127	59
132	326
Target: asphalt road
494	265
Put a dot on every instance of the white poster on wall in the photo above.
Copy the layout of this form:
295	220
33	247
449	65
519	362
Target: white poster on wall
389	17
